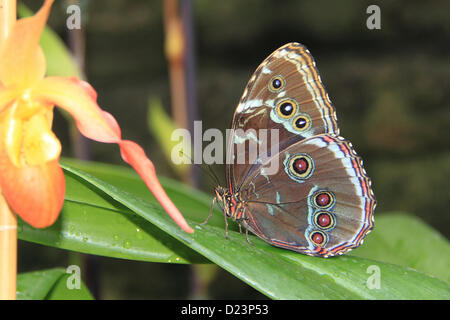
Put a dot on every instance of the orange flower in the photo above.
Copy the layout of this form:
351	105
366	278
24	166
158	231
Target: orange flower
31	179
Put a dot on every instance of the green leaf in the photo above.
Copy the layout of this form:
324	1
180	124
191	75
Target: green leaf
60	291
36	285
48	284
424	250
92	222
278	273
195	204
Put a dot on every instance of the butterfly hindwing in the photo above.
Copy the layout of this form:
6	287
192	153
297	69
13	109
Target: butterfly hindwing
319	202
284	93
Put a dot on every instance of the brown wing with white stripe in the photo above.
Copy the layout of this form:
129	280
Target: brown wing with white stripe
284	93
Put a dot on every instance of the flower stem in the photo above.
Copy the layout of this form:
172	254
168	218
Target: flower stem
7	18
8	220
8	251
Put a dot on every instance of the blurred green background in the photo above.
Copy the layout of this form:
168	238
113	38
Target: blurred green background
390	88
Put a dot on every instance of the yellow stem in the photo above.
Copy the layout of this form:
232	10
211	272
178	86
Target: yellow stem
175	47
8	15
8	251
8	220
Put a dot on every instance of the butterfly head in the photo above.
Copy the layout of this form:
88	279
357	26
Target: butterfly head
230	203
223	197
220	191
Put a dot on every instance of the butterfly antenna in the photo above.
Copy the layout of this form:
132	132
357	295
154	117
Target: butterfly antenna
210	173
213	174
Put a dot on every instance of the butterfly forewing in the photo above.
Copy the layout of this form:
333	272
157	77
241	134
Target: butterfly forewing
286	94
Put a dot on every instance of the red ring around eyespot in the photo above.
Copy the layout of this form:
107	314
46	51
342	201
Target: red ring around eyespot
324	199
324	220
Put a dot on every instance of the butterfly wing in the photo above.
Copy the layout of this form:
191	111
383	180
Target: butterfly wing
319	203
284	93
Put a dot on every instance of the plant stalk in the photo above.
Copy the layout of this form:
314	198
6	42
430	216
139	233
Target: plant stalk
8	251
8	220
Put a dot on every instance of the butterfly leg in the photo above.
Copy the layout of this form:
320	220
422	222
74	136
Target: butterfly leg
246	236
246	230
226	225
210	211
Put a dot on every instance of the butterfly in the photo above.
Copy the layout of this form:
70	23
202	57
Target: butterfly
319	201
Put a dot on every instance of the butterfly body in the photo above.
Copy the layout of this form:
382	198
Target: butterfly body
318	200
231	203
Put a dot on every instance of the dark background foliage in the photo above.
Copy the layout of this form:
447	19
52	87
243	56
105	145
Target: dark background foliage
389	87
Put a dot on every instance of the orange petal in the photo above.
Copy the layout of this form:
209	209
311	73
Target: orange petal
22	61
7	95
79	99
133	154
35	193
11	133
